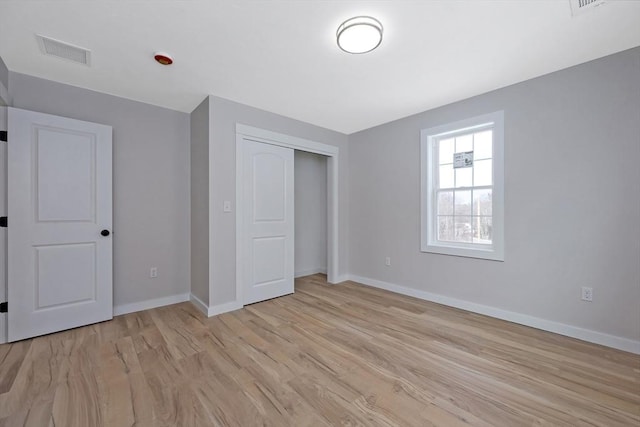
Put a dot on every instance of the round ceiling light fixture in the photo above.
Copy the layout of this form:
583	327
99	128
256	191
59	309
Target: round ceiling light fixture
163	58
361	34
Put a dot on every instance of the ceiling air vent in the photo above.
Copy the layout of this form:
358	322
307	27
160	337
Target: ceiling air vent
580	6
63	50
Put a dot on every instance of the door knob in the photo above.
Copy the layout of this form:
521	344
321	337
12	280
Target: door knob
105	233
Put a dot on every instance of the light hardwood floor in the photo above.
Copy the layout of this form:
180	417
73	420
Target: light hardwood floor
327	355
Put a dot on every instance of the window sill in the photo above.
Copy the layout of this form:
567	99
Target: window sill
488	254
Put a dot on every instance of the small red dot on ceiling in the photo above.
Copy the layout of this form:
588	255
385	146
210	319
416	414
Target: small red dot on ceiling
163	58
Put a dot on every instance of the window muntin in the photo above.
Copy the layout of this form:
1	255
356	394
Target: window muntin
462	208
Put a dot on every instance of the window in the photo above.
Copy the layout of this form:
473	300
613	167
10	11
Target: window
462	173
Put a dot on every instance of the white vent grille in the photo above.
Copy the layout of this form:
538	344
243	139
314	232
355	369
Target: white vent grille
580	6
63	50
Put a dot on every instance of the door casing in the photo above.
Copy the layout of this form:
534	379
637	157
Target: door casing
3	231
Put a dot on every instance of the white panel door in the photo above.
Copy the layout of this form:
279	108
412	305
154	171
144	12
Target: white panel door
269	221
59	217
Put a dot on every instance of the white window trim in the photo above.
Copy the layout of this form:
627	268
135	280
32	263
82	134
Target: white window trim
427	232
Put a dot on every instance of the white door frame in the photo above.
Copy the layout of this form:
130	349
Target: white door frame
260	135
3	212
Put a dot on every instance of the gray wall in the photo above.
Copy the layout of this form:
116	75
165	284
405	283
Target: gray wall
572	144
224	115
4	74
200	201
310	213
150	182
4	83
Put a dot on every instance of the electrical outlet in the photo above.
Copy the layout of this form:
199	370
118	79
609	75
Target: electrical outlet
387	261
153	272
587	294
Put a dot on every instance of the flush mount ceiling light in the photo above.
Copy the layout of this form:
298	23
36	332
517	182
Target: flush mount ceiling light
361	34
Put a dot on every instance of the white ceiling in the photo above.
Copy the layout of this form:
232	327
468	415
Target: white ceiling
281	56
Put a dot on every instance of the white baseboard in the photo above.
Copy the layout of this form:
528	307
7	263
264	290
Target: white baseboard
215	309
304	273
152	303
343	278
149	304
200	305
226	307
613	341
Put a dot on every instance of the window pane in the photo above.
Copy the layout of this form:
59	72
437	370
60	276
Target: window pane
445	148
463	177
445	228
482	145
445	203
462	202
446	176
463	231
482	229
482	202
464	143
482	173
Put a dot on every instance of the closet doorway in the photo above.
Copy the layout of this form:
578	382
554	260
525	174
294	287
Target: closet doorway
310	213
264	214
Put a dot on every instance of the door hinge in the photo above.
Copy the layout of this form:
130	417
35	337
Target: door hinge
4	307
3	135
3	221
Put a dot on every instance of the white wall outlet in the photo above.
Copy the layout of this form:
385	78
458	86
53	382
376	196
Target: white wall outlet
387	261
153	272
587	294
226	206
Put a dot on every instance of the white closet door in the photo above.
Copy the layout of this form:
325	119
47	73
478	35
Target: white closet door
268	221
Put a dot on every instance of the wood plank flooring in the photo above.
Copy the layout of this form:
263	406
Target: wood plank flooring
324	356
